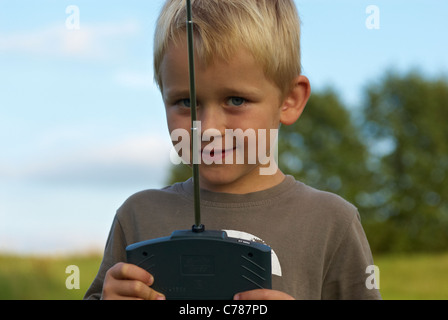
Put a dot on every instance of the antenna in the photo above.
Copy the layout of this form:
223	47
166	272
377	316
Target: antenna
198	227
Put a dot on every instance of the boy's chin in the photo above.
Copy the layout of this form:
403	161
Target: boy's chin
226	178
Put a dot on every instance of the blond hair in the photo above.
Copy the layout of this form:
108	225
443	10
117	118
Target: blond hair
268	29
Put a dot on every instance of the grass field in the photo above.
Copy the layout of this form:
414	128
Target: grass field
44	278
413	277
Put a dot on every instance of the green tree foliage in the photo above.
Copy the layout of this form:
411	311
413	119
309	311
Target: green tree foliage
324	148
391	161
406	130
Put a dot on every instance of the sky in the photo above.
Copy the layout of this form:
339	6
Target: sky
82	124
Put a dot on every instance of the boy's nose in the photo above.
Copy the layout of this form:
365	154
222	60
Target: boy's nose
211	117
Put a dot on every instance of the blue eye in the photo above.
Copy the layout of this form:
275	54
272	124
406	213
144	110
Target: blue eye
236	101
185	103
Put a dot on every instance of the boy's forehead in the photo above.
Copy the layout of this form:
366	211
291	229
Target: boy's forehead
177	47
175	61
176	50
177	53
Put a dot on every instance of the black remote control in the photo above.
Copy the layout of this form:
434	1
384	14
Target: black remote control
205	265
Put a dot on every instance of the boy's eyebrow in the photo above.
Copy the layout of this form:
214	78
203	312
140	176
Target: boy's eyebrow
241	91
184	93
176	93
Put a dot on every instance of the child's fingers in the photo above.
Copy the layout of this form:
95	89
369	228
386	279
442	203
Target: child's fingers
126	271
137	290
128	281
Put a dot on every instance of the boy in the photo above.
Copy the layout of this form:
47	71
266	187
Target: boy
248	77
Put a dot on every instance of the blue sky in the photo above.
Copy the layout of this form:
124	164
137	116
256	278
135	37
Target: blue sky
82	125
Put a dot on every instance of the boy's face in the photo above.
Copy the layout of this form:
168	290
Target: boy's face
230	95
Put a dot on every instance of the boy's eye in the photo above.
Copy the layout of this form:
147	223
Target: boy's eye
185	103
236	101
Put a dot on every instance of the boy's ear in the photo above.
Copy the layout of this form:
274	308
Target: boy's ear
295	100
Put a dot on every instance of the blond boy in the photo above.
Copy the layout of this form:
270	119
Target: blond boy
248	76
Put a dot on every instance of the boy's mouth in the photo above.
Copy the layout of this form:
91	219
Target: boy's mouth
213	155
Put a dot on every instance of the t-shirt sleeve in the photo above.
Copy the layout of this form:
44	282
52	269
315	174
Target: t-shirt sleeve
347	274
114	252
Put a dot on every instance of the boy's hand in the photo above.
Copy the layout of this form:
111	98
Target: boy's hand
262	294
127	281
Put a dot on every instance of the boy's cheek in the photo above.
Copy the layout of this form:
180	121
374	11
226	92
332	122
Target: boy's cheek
175	124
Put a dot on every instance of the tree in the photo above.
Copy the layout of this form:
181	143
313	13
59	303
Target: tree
406	129
324	148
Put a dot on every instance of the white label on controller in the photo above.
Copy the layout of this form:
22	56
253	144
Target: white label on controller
241	235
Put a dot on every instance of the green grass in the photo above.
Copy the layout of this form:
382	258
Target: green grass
44	278
402	277
413	277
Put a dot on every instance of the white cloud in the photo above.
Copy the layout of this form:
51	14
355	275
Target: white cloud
135	160
92	41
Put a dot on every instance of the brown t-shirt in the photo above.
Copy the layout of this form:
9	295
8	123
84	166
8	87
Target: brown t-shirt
320	250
